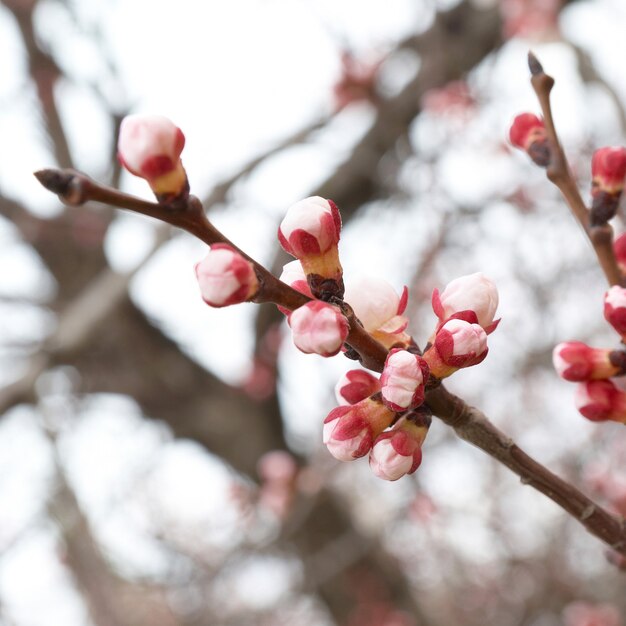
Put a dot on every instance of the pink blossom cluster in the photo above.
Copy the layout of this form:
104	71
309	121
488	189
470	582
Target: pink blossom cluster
384	417
598	396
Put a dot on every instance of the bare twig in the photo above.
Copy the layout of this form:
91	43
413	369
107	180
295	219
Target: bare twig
558	172
469	423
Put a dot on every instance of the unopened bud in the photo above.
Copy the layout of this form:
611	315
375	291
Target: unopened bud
225	277
294	276
379	308
310	231
608	169
403	379
528	133
474	293
349	431
356	385
619	247
398	451
601	400
615	309
457	344
576	361
149	146
318	328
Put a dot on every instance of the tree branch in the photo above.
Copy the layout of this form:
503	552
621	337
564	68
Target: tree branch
469	423
559	173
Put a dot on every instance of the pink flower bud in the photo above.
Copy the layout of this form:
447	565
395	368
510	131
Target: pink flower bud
475	293
457	344
528	133
615	309
403	379
398	451
149	146
619	246
349	431
356	385
379	308
225	277
318	328
584	614
576	361
310	232
294	276
601	400
608	169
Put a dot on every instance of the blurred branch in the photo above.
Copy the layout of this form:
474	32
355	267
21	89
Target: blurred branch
44	73
76	323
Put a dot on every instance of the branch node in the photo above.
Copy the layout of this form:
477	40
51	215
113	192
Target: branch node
526	480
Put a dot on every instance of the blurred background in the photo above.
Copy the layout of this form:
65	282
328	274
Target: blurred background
161	462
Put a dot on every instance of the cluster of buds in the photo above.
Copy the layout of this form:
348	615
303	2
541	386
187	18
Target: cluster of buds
598	397
387	417
384	417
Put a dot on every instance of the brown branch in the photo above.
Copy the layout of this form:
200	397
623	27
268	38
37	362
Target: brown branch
469	423
74	188
559	173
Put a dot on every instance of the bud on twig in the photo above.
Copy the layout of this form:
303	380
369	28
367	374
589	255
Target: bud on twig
356	385
310	231
608	168
600	401
528	133
474	293
149	146
398	451
403	380
457	344
225	277
576	361
379	308
619	248
349	431
318	328
615	309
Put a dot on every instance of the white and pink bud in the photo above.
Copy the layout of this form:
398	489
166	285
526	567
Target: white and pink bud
379	308
349	431
403	380
149	146
576	361
528	132
600	401
356	385
318	328
615	309
225	277
608	169
310	231
474	293
457	344
398	451
294	276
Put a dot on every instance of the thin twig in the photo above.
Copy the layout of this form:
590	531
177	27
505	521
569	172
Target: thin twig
75	188
469	423
558	172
